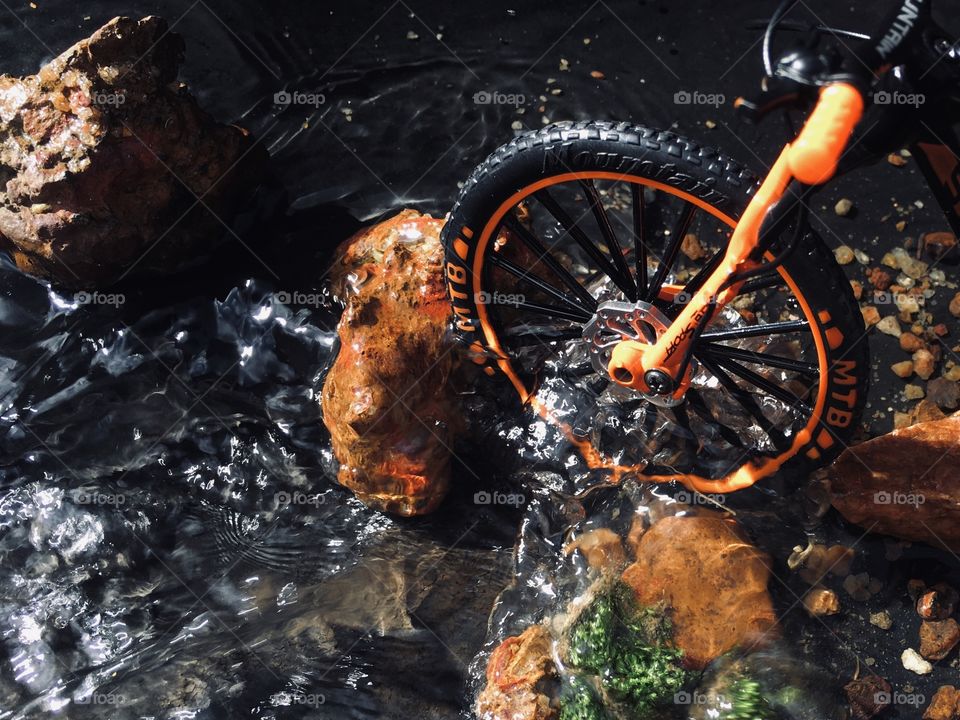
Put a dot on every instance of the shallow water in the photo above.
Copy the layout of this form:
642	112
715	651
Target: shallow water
171	542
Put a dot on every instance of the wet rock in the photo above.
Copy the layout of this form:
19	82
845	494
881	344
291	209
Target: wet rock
903	483
766	685
386	401
821	601
937	602
868	696
104	157
938	638
714	580
945	704
912	661
601	547
816	561
944	392
517	674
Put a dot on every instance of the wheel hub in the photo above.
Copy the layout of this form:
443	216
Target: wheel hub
615	321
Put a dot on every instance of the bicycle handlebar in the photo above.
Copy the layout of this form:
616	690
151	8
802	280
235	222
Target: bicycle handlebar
814	155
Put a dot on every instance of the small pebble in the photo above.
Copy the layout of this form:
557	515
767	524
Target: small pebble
903	369
889	326
955	305
843	207
871	316
913	662
913	392
881	619
597	75
896	160
923	364
844	254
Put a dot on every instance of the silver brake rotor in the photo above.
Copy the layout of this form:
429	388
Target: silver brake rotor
615	321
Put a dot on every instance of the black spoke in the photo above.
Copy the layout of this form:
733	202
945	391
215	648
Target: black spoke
763	282
543	337
537	248
777	328
699	406
606	229
553	311
770	388
746	401
697	281
761	359
538	282
640	237
673	249
625	283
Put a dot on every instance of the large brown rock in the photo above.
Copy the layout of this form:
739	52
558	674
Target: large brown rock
386	401
713	580
103	157
905	483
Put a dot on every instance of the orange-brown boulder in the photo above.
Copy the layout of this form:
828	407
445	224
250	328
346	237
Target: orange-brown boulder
517	671
385	401
713	580
904	483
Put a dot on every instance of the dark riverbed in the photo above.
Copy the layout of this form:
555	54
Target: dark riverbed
171	541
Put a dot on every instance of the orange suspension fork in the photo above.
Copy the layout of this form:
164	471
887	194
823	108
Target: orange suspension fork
811	159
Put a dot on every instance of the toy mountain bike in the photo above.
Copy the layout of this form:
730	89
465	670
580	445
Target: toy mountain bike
678	294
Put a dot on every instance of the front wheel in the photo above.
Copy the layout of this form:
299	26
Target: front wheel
570	238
